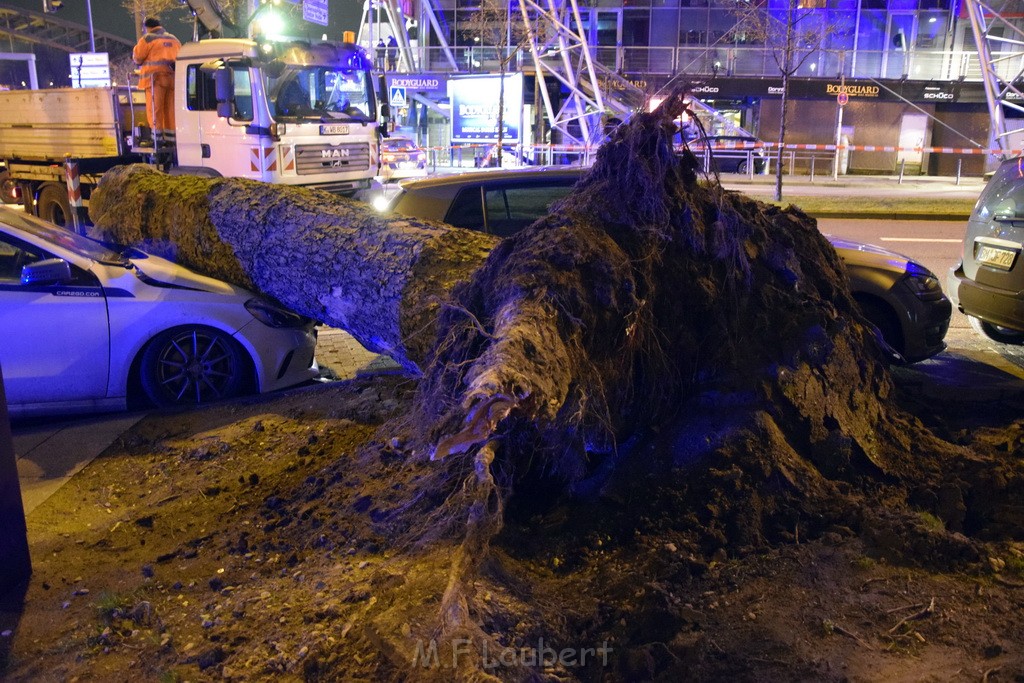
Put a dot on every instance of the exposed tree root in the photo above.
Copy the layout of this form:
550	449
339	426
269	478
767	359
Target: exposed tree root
654	339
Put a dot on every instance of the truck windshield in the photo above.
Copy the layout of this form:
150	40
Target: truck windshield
321	93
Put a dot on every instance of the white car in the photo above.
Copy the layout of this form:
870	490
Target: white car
85	328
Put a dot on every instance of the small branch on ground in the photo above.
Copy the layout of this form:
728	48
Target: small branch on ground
926	612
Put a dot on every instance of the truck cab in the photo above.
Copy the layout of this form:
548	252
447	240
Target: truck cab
292	113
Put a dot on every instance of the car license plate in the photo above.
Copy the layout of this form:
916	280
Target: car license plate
405	164
334	129
996	257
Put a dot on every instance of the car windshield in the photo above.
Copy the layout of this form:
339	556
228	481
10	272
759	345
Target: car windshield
1004	194
80	245
399	144
725	141
321	93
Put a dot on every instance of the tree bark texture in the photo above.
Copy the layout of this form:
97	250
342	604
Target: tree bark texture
335	260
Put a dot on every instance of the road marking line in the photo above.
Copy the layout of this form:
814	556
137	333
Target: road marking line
920	239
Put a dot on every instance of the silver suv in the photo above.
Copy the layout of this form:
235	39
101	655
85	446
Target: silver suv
988	284
901	297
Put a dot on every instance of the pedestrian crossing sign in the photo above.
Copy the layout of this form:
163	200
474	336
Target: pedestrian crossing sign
397	97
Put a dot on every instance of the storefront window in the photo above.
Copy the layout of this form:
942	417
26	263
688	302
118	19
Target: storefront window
636	27
931	30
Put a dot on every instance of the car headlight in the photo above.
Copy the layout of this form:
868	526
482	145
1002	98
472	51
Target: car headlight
922	282
272	315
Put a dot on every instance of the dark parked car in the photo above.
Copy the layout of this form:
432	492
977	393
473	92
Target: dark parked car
901	297
730	153
988	283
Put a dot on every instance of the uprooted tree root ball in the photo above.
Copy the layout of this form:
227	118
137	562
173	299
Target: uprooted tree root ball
657	355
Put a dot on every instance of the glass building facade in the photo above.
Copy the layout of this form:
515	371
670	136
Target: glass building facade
912	65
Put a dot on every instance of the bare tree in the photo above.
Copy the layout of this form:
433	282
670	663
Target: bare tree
163	8
494	25
791	38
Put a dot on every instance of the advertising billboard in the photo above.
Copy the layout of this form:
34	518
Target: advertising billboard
475	108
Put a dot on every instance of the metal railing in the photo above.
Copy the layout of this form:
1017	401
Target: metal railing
761	157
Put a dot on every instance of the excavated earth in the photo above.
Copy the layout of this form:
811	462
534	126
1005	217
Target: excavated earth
255	541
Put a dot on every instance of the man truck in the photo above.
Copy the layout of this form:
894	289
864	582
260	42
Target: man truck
293	113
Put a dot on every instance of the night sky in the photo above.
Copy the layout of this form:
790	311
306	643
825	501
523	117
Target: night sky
109	16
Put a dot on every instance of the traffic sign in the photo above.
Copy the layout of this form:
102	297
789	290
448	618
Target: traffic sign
90	69
842	98
315	11
397	97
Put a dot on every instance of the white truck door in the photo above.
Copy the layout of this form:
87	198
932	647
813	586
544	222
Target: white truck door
197	97
232	148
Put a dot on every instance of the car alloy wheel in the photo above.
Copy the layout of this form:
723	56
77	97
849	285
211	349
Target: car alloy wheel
190	366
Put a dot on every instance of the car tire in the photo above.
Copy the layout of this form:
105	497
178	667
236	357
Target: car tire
193	365
882	316
742	167
54	206
997	333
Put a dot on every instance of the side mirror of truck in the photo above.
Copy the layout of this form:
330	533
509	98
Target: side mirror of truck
224	89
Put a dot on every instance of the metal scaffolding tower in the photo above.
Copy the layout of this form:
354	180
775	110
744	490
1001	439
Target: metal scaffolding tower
1002	71
584	99
596	96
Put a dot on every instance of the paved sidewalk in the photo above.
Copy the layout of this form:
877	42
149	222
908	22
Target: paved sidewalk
50	452
845	189
852	185
342	357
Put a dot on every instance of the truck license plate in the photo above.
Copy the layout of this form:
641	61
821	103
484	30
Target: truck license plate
995	257
334	129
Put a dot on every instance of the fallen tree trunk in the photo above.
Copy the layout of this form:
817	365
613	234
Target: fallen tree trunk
334	260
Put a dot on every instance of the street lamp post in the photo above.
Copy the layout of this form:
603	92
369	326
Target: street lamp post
92	34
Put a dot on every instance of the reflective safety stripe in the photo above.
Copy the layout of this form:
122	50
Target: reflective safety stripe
73	179
288	157
262	159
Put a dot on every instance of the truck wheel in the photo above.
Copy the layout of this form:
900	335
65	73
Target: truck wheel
54	206
8	189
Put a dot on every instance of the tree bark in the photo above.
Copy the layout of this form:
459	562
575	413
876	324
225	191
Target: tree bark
335	260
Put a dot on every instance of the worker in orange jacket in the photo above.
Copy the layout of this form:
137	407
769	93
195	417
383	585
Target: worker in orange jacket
155	54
